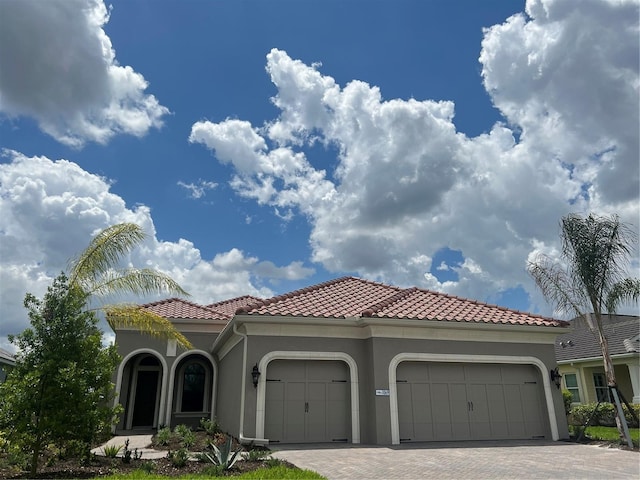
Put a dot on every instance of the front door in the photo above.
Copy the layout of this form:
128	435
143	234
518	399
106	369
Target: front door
144	407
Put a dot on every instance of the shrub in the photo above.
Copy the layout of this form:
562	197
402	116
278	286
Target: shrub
111	451
210	426
148	467
605	416
181	430
567	398
163	437
256	454
179	458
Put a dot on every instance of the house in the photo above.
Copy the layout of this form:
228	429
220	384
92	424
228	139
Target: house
6	363
580	359
348	360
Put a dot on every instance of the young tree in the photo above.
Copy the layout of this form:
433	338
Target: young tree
97	273
60	390
590	282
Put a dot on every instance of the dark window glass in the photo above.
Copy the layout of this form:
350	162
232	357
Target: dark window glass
193	388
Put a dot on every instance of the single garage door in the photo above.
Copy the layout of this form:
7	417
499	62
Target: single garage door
469	401
307	401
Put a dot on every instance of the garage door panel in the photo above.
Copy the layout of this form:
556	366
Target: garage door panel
446	372
492	402
412	372
294	404
307	401
274	404
405	411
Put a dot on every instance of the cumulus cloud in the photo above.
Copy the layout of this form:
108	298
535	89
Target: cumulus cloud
406	184
58	66
50	209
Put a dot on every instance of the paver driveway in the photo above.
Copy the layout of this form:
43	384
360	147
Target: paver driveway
465	460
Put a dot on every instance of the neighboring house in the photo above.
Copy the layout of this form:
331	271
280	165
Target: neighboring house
580	359
6	363
348	360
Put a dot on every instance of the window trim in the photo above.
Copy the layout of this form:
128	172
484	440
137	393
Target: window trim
577	387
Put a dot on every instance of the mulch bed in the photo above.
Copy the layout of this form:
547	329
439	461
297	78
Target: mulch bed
102	466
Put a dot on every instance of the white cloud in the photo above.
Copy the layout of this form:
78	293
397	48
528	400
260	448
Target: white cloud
407	184
57	65
50	209
198	189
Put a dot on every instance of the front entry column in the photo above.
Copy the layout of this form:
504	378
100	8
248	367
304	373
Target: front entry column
634	374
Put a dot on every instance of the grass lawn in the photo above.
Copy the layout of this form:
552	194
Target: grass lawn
607	434
267	473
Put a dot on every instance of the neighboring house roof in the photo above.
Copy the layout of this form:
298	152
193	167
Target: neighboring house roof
179	308
622	332
351	297
6	357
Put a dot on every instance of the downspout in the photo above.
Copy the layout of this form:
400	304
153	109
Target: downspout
245	440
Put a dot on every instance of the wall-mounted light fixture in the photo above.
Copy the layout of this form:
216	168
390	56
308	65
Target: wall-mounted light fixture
255	375
556	376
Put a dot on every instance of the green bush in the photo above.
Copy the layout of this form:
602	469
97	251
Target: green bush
111	451
179	458
163	437
210	426
605	416
567	398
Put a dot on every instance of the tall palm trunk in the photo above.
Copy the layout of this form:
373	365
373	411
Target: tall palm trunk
609	369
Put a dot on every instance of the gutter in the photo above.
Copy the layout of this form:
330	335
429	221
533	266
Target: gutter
245	440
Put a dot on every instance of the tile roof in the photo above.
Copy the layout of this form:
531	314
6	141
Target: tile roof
231	306
622	332
350	297
179	308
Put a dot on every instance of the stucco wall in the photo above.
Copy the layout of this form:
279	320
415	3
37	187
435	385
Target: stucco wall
229	390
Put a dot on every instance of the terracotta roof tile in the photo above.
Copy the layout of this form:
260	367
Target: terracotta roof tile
350	296
230	306
179	308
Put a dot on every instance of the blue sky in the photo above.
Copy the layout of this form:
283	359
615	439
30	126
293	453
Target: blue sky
270	145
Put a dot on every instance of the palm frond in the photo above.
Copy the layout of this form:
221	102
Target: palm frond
104	252
625	291
137	281
146	322
597	250
556	285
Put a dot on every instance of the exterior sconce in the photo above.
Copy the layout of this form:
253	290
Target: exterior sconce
255	375
555	376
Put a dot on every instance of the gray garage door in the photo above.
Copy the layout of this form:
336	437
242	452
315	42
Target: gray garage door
469	401
307	401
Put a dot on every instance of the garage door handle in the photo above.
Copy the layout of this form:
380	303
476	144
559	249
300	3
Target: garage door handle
306	407
470	406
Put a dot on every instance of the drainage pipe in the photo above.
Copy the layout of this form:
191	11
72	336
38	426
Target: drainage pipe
245	440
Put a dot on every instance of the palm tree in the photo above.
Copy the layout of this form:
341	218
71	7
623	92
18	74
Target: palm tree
591	282
95	271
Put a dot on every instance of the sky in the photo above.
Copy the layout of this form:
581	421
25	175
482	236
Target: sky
266	146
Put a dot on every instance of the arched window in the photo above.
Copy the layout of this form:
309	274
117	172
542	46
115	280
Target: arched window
194	378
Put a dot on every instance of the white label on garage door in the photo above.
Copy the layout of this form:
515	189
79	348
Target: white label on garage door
382	393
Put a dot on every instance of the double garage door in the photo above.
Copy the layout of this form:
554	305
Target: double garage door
307	401
468	401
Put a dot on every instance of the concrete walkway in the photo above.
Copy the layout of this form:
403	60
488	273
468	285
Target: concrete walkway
465	460
141	442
